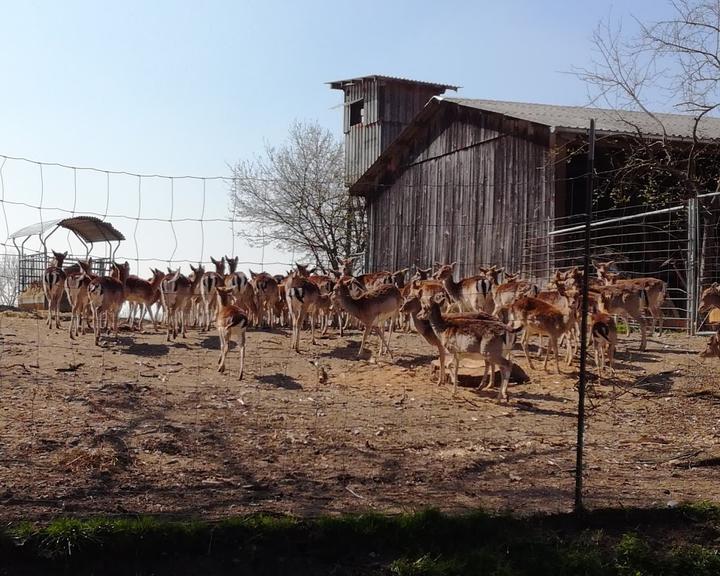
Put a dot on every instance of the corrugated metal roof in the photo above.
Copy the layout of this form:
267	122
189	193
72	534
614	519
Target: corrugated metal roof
89	228
338	84
612	121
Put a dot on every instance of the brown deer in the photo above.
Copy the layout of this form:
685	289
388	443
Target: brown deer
176	292
505	294
107	295
654	288
302	296
208	285
712	348
371	308
627	301
462	337
710	298
469	293
76	285
539	317
230	320
266	295
143	294
604	338
53	282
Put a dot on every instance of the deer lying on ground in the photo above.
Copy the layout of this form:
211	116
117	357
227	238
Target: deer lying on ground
230	320
372	309
470	337
142	294
654	288
302	296
76	285
176	292
712	348
53	282
539	317
107	295
710	298
604	338
469	293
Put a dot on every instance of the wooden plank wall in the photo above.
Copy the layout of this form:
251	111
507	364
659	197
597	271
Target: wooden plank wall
477	190
389	107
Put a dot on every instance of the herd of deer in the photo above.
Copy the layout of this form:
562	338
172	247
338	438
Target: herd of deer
476	316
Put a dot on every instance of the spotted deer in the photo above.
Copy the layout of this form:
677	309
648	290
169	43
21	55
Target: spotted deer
654	288
372	308
142	294
604	339
466	337
302	296
266	295
469	293
208	286
626	301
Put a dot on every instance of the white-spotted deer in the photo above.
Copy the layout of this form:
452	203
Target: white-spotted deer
208	286
76	289
469	337
469	293
372	308
302	297
143	294
604	338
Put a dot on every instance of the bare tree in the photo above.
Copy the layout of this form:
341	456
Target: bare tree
294	197
676	61
8	279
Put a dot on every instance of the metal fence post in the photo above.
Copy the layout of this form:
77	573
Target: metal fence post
692	280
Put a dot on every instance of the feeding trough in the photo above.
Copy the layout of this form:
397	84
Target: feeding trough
32	263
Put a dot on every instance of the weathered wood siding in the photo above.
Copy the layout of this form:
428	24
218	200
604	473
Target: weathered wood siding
477	189
389	107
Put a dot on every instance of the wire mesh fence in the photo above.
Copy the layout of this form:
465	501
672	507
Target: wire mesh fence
149	426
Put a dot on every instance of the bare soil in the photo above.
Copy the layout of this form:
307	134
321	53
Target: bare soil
145	426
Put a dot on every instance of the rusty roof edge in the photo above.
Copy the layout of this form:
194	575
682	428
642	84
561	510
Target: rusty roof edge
337	84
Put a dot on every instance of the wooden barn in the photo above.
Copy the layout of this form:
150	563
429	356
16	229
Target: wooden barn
474	181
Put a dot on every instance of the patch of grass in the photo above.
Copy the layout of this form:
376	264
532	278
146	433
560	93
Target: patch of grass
621	542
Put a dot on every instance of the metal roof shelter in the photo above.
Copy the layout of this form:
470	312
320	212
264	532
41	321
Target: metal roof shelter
87	229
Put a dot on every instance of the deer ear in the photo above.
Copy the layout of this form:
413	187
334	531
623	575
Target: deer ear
715	286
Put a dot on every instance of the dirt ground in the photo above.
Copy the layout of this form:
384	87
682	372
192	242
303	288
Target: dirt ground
143	426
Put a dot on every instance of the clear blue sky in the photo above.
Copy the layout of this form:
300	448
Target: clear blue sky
188	87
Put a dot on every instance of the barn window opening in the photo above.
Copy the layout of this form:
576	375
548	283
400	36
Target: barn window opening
357	112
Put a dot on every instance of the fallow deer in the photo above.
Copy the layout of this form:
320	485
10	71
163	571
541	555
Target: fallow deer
712	348
655	290
626	301
176	292
709	298
230	320
143	294
513	288
208	286
266	295
372	308
539	317
107	295
301	295
76	285
469	293
604	338
53	286
462	337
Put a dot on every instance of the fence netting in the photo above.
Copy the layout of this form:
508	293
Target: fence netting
146	425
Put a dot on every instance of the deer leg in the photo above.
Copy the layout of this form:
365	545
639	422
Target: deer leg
368	328
524	343
224	334
441	359
384	341
312	331
456	365
241	344
505	372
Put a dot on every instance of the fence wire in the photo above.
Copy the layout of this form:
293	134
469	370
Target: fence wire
142	425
